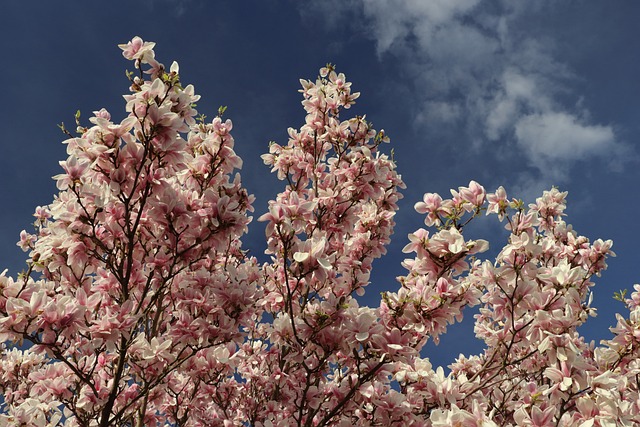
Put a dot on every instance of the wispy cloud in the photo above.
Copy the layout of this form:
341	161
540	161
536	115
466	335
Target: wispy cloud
474	64
555	137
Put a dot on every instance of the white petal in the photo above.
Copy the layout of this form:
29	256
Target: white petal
301	256
324	263
362	336
544	345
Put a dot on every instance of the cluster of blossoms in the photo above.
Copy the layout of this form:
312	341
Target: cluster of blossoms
140	308
536	369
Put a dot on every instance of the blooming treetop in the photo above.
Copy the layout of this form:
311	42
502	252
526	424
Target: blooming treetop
140	308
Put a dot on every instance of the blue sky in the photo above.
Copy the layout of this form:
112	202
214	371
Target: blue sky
521	94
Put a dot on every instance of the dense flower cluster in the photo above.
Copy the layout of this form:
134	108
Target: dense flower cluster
140	308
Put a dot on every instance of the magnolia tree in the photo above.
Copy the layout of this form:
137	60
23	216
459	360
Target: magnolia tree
139	306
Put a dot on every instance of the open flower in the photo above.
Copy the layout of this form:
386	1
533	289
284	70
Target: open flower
137	49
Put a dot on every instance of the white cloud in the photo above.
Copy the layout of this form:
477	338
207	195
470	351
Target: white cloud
446	112
395	20
518	95
558	136
472	63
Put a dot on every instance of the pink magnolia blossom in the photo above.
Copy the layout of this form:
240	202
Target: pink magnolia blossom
140	307
137	48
